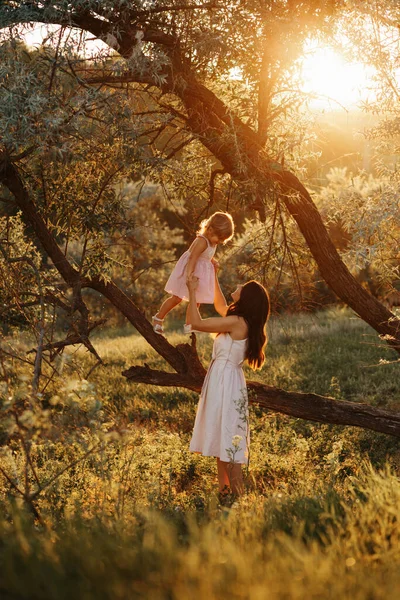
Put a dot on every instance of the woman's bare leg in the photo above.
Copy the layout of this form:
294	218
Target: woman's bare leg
236	478
168	305
223	478
230	474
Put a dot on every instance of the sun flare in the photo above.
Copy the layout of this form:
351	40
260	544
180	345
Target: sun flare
331	81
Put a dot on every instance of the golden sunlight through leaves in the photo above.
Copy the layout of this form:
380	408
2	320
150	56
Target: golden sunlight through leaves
332	82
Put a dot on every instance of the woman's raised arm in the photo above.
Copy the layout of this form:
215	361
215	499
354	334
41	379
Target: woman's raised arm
219	299
212	325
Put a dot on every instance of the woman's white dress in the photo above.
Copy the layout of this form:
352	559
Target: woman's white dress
221	426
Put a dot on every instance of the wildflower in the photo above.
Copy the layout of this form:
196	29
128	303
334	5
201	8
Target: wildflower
236	441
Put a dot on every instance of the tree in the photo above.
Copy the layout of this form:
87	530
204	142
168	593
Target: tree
178	55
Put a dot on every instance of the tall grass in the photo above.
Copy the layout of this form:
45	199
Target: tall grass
299	547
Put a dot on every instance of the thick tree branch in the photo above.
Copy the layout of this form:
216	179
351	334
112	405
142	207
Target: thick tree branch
311	407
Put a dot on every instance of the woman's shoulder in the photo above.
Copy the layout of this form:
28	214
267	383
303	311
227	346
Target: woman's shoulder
239	326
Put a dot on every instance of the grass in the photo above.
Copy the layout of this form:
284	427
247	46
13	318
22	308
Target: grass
297	547
140	518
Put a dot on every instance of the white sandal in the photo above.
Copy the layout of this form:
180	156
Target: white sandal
187	329
157	325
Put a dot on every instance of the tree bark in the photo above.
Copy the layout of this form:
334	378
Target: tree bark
311	407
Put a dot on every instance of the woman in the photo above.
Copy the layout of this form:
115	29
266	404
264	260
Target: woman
221	426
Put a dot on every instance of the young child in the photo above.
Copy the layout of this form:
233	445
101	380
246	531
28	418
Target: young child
199	261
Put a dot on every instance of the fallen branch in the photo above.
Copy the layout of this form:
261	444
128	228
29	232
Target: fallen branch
311	407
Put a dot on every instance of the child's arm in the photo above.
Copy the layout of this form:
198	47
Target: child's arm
197	248
219	299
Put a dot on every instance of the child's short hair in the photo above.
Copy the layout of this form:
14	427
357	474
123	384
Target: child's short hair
221	223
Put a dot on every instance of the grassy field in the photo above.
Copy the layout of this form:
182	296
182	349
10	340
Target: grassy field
138	516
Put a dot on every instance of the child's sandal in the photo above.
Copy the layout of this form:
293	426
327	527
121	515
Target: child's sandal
157	325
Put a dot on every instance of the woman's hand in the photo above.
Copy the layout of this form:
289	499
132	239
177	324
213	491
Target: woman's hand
192	282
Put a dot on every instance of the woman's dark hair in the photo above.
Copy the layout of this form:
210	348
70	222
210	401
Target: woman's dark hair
253	305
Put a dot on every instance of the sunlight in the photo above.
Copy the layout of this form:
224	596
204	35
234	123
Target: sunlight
333	82
34	37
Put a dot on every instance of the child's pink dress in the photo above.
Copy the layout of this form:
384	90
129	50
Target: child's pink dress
204	270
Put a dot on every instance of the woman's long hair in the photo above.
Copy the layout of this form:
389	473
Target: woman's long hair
254	307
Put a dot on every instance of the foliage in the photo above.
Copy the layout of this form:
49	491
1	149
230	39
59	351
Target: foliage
20	263
80	143
372	37
145	255
366	209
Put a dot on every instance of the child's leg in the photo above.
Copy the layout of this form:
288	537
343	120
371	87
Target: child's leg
167	305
